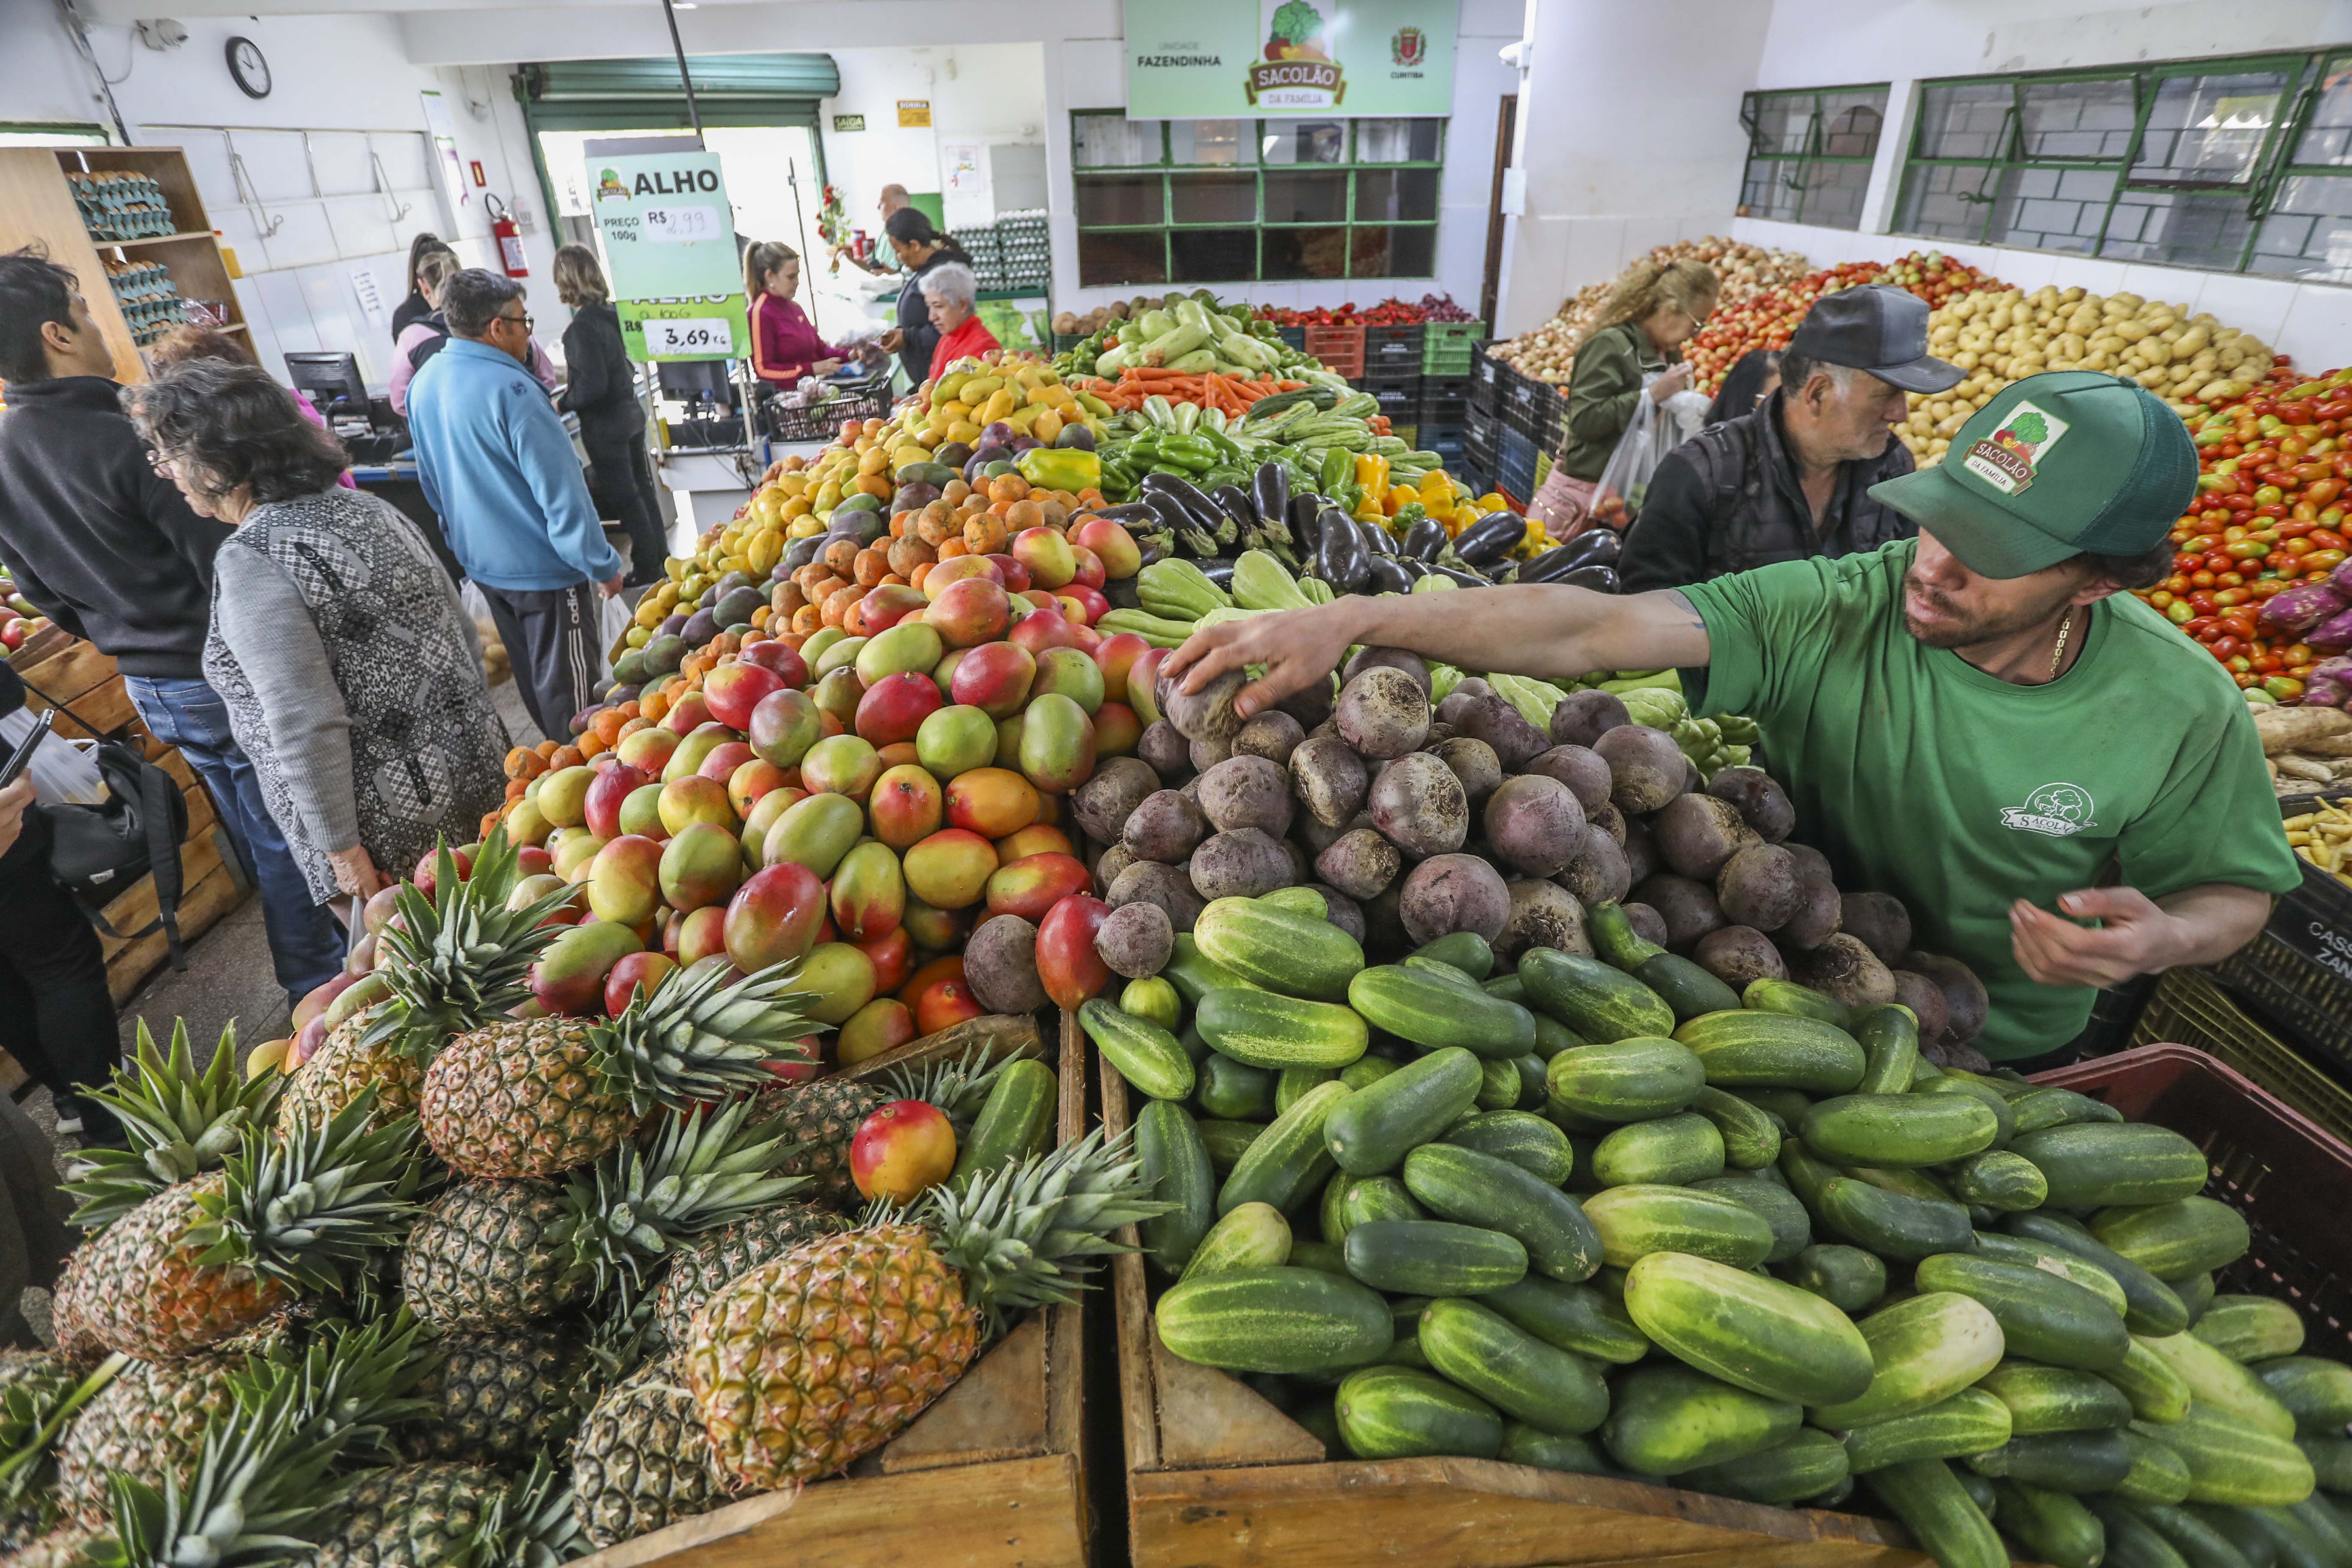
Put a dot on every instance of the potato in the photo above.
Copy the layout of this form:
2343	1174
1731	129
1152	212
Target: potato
1206	755
1737	955
1165	827
1688	907
1135	940
1341	910
1310	704
1583	716
1760	887
1599	874
1845	968
1926	1000
1697	833
1383	712
1579	768
1148	881
1397	658
1965	1002
1103	804
1242	864
1272	734
1207	714
1542	914
1246	792
1880	921
1647	924
1501	726
1447	893
1168	753
1473	763
1419	805
1535	823
1646	769
1759	799
1328	779
1360	863
1001	965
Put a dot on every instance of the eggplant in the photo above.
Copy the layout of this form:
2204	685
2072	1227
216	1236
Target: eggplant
1597	547
1130	512
1482	545
1217	569
1599	579
1377	540
1424	539
1234	502
1120	591
1462	579
1305	531
1186	494
1180	523
1389	576
1551	565
1341	558
1270	494
1415	567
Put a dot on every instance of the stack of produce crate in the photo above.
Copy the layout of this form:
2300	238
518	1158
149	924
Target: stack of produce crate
1023	251
1340	348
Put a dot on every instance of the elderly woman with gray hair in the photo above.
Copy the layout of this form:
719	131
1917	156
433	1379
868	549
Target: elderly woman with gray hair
951	294
352	674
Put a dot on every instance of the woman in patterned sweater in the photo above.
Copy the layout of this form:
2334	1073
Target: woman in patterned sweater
352	675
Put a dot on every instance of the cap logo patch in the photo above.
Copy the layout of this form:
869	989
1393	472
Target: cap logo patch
2007	461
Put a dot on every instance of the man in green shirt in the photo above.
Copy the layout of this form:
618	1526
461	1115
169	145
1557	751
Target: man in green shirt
1978	720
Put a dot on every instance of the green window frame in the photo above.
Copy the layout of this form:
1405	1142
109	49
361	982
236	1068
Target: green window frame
1810	153
2234	163
1164	201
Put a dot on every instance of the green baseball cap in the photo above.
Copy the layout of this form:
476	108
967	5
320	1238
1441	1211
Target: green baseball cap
2057	465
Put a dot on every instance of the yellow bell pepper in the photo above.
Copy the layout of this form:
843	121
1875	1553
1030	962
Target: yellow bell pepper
1491	502
1372	473
1400	496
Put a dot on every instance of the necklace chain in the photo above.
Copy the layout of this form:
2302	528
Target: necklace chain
2058	654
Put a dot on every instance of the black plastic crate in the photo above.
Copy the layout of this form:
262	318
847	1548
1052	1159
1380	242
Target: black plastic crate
1435	410
1532	408
822	421
1406	374
1296	337
1476	477
2298	973
1486	374
1396	402
1386	343
1438	435
1446	385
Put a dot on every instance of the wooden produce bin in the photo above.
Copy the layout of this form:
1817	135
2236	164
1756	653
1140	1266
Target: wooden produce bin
1218	1478
991	1475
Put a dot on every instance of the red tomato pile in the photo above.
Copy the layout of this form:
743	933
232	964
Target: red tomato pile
2272	472
1387	314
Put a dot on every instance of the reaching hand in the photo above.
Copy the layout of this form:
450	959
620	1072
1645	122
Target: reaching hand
890	342
1677	376
356	874
610	586
2138	936
1296	646
825	367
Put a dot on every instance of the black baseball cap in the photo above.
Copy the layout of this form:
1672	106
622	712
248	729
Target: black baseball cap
1876	328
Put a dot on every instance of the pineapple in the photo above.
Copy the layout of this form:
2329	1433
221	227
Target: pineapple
491	1254
181	1123
40	1394
724	1256
429	1515
453	962
501	1397
210	1258
807	1363
641	1459
822	1116
535	1097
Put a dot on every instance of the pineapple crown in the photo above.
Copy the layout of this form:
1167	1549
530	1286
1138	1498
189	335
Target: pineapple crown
1025	1234
702	1169
532	1524
35	1410
180	1122
701	1038
959	1088
350	1383
461	958
301	1207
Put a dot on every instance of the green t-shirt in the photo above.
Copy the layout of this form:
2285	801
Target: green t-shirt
1920	776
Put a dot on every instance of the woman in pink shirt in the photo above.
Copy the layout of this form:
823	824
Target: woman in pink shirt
784	344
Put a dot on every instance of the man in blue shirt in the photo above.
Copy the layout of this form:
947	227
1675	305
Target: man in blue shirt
499	470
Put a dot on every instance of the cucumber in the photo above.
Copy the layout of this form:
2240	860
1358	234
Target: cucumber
1499	1084
2046	1105
2331	1460
2295	1545
1791	1000
2151	1306
1365	1199
2158	1474
1897	1130
1267	1030
2057	1399
1433	1257
1519	1374
2199	1544
1636	1221
1685	987
2220	1384
1280	948
1510	988
2042	1317
1144	1054
1623	1080
1156	999
1299	900
1774	1204
2056	1528
1785	1106
2094	1164
1999	1179
1321	1256
1417	1004
1969	1422
1525	1140
2028	1254
1614	938
1477	1189
1748	1329
1227	1142
2322	1518
1016	1120
1668	1419
1957	1082
1173	1162
2316	1393
1937	1511
1807	1465
2253	1543
1751	1138
1670	1150
1281	1319
1552	1037
1847	1277
1194	975
1888	1035
1889	1223
1523	1445
1373	1129
1597	1001
1901	1181
2196	1293
1575	1318
2174	1240
1773	1050
2062	1461
2157	1391
2250	1328
1465	950
1229	1090
2132	1541
1923	1350
2232	1461
1253	1236
1366	1071
1398	1412
1420	963
1292	1082
1287	1161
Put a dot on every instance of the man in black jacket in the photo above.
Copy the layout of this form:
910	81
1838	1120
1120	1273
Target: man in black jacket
106	547
1792	480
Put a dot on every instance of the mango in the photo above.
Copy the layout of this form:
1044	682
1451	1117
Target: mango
816	833
995	677
908	646
689	757
955	740
695	799
1117	731
635	971
624	883
969	610
699	933
563	795
641	812
994	803
950	869
906	806
931	929
1034	884
841	764
1056	745
526	824
882	1025
868	893
576	853
700	867
569	977
774	917
843	652
838	979
837	694
1072	674
647	748
1047	554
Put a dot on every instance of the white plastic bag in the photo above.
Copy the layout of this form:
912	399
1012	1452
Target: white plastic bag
618	619
1656	428
61	772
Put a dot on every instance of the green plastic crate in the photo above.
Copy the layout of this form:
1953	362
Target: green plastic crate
1445	351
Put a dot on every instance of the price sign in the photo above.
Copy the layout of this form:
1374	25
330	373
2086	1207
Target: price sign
681	225
704	335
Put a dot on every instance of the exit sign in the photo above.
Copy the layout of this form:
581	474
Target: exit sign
849	122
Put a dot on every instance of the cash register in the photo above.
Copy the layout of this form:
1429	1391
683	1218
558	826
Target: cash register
369	431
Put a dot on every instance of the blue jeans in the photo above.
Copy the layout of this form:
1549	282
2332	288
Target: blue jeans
305	947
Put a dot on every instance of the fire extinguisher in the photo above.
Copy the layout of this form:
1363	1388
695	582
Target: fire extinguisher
509	234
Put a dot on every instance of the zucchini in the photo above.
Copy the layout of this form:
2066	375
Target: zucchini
1433	1257
1772	1050
1847	1277
1267	1030
1631	1080
1015	1121
1523	1445
1465	950
1280	1320
1377	1126
2316	1393
1575	1318
2250	1328
1228	1090
1751	1138
1669	1149
2174	1240
2061	1461
2042	1317
1600	1002
1923	1350
1787	997
2057	1399
1398	1412
2094	1165
2151	1306
1144	1054
1417	1004
2055	1527
1173	1163
1968	1421
1546	1387
1636	1221
1525	1140
1476	1189
1668	1419
1287	1161
1792	1227
1253	1236
1194	975
1684	987
1897	1130
1227	1142
1888	1035
1939	1514
1999	1179
1749	1330
1807	1465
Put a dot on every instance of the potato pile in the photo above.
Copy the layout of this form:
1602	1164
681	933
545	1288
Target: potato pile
1082	324
2308	748
1548	352
2001	336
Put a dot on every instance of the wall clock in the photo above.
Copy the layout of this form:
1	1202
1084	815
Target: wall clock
246	65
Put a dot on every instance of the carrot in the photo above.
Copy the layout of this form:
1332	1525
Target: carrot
1151	373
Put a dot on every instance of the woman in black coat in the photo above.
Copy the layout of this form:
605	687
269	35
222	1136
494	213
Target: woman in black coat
920	247
601	387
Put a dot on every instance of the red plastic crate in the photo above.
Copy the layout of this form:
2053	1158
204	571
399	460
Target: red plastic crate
2289	1177
1340	348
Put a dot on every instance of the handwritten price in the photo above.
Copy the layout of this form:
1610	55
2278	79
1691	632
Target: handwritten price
681	225
706	336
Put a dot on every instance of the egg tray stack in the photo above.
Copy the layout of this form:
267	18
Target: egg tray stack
149	300
116	206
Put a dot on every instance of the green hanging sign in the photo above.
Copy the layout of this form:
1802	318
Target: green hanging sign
1224	60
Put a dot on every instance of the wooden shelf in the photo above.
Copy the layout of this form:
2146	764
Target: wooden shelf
153	239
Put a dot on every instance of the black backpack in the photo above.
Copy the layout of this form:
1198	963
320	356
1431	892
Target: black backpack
97	851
